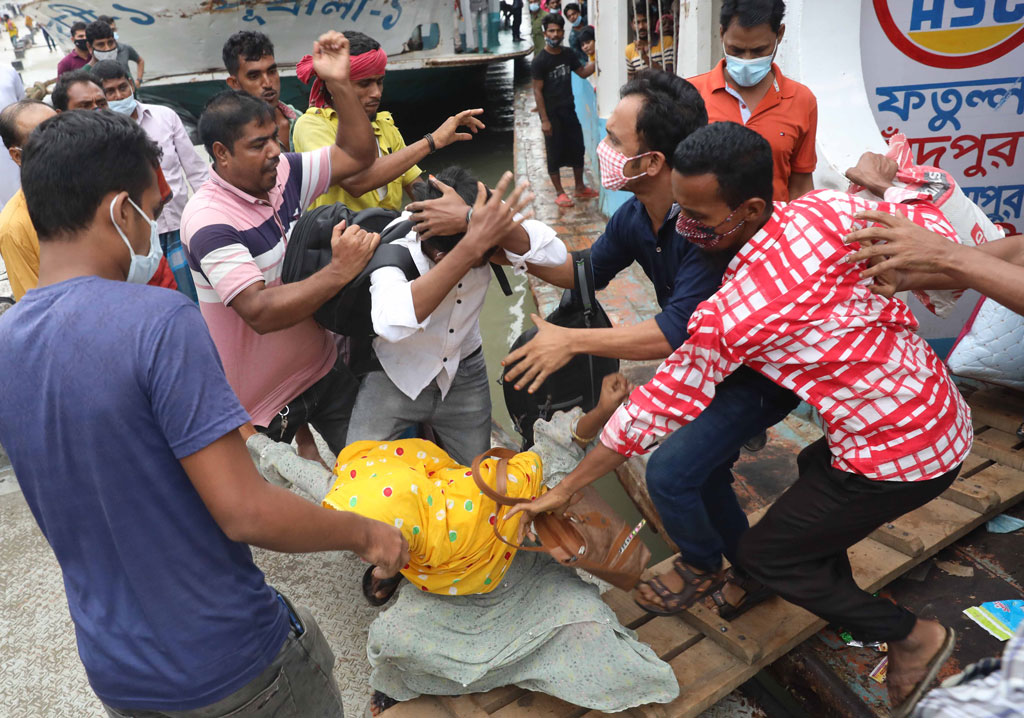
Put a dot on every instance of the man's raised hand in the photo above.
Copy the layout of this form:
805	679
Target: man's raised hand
494	219
330	57
448	132
351	250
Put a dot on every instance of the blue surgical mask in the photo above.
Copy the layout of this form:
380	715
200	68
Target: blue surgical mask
577	21
553	43
124	107
116	38
143	266
535	7
747	73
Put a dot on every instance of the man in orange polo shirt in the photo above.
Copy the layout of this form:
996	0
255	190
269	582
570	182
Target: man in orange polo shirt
748	88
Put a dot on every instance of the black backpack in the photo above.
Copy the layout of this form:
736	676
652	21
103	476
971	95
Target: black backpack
578	383
309	250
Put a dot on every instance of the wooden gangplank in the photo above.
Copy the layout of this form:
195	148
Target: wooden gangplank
711	657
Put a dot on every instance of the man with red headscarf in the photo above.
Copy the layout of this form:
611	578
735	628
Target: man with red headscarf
381	184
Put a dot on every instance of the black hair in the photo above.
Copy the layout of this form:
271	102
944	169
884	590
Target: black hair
98	30
105	18
9	131
586	34
245	43
672	110
739	158
465	185
78	26
60	90
119	156
572	6
360	42
226	114
552	19
751	13
108	70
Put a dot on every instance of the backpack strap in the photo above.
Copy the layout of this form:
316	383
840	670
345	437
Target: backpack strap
391	255
499	274
584	281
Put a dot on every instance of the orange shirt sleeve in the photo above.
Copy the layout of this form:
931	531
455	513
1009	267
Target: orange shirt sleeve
805	159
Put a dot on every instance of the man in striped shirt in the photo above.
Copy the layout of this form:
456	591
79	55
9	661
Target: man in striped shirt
791	308
284	367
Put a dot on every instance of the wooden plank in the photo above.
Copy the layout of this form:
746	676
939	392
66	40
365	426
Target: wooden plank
539	705
899	538
999	408
628	613
730	637
971	496
1006	482
668	636
462	706
422	707
1000	446
497	698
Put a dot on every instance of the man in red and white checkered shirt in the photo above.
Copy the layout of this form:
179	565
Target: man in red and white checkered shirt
792	308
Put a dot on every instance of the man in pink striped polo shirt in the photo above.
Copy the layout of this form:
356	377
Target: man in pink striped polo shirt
283	366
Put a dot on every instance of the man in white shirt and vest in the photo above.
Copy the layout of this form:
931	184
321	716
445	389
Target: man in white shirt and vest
428	334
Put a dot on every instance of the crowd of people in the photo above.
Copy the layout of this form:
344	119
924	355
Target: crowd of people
150	496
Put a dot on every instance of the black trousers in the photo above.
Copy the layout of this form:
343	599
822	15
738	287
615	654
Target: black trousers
799	548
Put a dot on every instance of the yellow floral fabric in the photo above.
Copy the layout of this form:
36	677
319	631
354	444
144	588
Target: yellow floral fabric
434	501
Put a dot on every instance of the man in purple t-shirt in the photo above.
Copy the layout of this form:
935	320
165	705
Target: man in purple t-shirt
124	435
80	56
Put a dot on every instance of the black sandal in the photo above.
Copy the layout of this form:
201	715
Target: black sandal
754	592
695	587
373	586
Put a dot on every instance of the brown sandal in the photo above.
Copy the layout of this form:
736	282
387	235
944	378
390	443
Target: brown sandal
754	592
695	587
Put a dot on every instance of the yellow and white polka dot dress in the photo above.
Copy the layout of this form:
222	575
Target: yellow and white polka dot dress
434	501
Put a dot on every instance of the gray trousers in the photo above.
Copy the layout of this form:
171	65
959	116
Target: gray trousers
461	421
298	684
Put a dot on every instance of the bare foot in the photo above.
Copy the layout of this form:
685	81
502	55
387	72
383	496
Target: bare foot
909	659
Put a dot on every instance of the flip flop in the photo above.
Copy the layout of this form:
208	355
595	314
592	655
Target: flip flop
563	200
754	592
907	706
586	193
382	701
372	586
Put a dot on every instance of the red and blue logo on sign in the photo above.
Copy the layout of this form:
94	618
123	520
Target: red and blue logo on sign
952	34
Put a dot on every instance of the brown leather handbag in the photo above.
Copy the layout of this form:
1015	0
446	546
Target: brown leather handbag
605	546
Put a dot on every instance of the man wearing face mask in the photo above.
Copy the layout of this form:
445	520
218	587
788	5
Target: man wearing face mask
180	163
575	20
748	88
690	476
105	47
537	26
125	437
394	170
80	56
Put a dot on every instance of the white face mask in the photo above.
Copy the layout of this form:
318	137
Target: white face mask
105	54
748	73
125	107
143	266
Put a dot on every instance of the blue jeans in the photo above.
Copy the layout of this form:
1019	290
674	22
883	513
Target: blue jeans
689	477
170	242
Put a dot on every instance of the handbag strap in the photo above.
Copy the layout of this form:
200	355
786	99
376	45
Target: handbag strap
500	476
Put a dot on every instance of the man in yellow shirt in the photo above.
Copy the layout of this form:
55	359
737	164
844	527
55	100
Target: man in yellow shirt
381	184
19	244
641	54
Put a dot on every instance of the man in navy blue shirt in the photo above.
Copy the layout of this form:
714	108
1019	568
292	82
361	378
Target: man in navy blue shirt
124	435
690	476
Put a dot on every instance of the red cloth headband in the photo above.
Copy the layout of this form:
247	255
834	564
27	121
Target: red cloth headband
360	67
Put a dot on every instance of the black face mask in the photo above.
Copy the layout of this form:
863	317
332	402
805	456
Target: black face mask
82	44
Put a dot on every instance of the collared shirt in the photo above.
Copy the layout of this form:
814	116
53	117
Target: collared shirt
792	310
663	53
19	245
72	61
787	116
318	127
415	353
683	276
179	162
233	240
982	692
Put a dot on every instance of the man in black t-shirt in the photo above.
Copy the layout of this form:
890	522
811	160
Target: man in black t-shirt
552	88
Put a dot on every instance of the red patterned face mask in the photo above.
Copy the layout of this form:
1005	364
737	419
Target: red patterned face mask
701	234
612	163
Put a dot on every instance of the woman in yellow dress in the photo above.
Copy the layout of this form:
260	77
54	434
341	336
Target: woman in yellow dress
438	507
